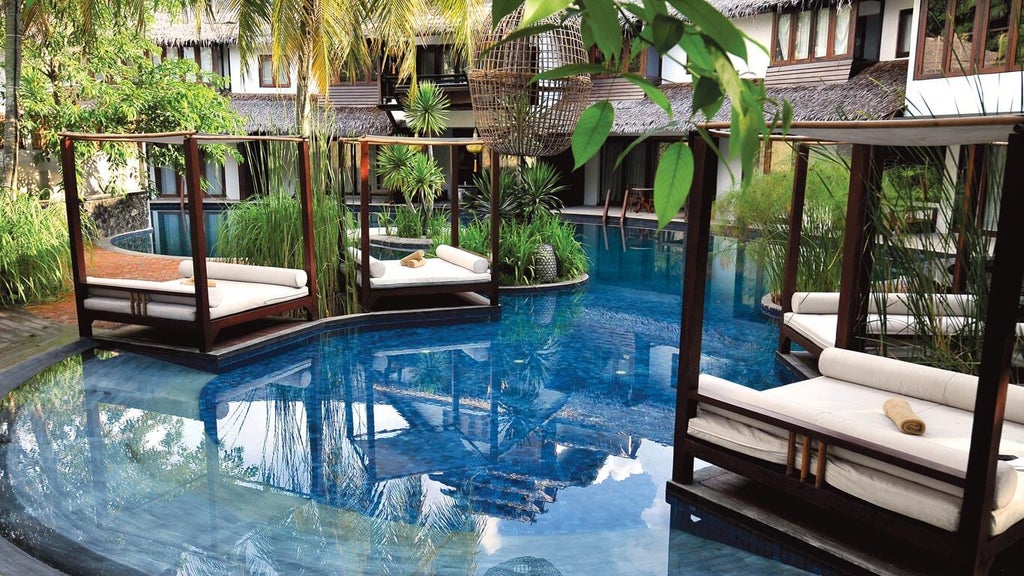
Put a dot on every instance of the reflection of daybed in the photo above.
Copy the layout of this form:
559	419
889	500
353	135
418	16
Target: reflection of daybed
449	276
807	429
242	293
814	319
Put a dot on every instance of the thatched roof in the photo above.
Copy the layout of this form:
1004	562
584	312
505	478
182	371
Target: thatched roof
875	93
275	114
180	29
745	8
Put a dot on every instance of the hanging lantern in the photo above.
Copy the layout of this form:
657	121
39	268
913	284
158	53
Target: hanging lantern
475	148
519	118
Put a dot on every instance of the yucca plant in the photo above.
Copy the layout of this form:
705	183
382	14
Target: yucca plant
35	255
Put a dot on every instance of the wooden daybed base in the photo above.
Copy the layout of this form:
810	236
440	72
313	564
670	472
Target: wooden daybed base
814	319
828	440
241	293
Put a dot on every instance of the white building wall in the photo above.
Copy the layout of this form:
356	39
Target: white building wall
964	95
591	179
890	28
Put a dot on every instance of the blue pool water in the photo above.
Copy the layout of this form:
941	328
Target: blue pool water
170	233
539	443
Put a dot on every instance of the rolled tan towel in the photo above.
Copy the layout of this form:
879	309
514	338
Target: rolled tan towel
192	281
417	255
414	263
902	415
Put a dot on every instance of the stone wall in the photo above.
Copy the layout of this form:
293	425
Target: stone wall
119	214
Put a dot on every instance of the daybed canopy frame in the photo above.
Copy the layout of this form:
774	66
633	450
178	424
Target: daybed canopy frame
971	544
205	327
368	294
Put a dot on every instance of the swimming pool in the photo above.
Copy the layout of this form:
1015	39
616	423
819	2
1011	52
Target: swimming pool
540	442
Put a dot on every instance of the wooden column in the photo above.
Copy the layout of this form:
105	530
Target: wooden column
695	271
74	218
453	193
865	185
796	218
994	371
973	211
364	222
197	233
495	224
306	209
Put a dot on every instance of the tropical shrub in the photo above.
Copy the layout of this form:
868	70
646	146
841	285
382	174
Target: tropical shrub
35	256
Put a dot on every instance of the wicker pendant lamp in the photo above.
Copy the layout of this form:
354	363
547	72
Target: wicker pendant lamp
519	118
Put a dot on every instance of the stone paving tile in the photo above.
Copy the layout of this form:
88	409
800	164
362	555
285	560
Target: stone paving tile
30	330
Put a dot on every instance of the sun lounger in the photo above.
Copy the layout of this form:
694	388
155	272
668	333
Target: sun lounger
814	319
852	447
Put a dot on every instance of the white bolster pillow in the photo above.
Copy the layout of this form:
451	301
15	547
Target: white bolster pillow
187	291
459	257
377	267
292	277
815	302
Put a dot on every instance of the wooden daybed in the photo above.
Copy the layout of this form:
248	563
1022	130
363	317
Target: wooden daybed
236	293
822	440
813	319
455	270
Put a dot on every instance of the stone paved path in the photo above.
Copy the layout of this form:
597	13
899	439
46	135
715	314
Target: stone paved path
30	330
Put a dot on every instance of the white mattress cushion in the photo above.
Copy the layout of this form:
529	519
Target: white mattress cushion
377	268
292	277
235	297
187	291
434	271
459	257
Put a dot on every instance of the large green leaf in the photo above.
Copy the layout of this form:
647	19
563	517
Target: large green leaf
713	24
652	91
666	32
707	96
537	10
592	130
502	8
672	181
601	17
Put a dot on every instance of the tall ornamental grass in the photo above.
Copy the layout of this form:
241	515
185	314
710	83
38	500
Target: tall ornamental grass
267	230
35	257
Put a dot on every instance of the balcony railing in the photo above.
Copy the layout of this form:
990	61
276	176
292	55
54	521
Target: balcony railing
392	91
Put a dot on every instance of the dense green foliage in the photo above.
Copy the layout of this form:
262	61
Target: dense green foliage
527	198
35	257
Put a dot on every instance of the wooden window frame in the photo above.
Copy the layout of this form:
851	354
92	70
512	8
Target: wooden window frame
901	37
830	53
287	73
975	65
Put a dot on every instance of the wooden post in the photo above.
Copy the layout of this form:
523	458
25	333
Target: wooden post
695	269
865	185
973	211
453	193
796	218
364	222
306	208
197	233
994	370
74	218
495	224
